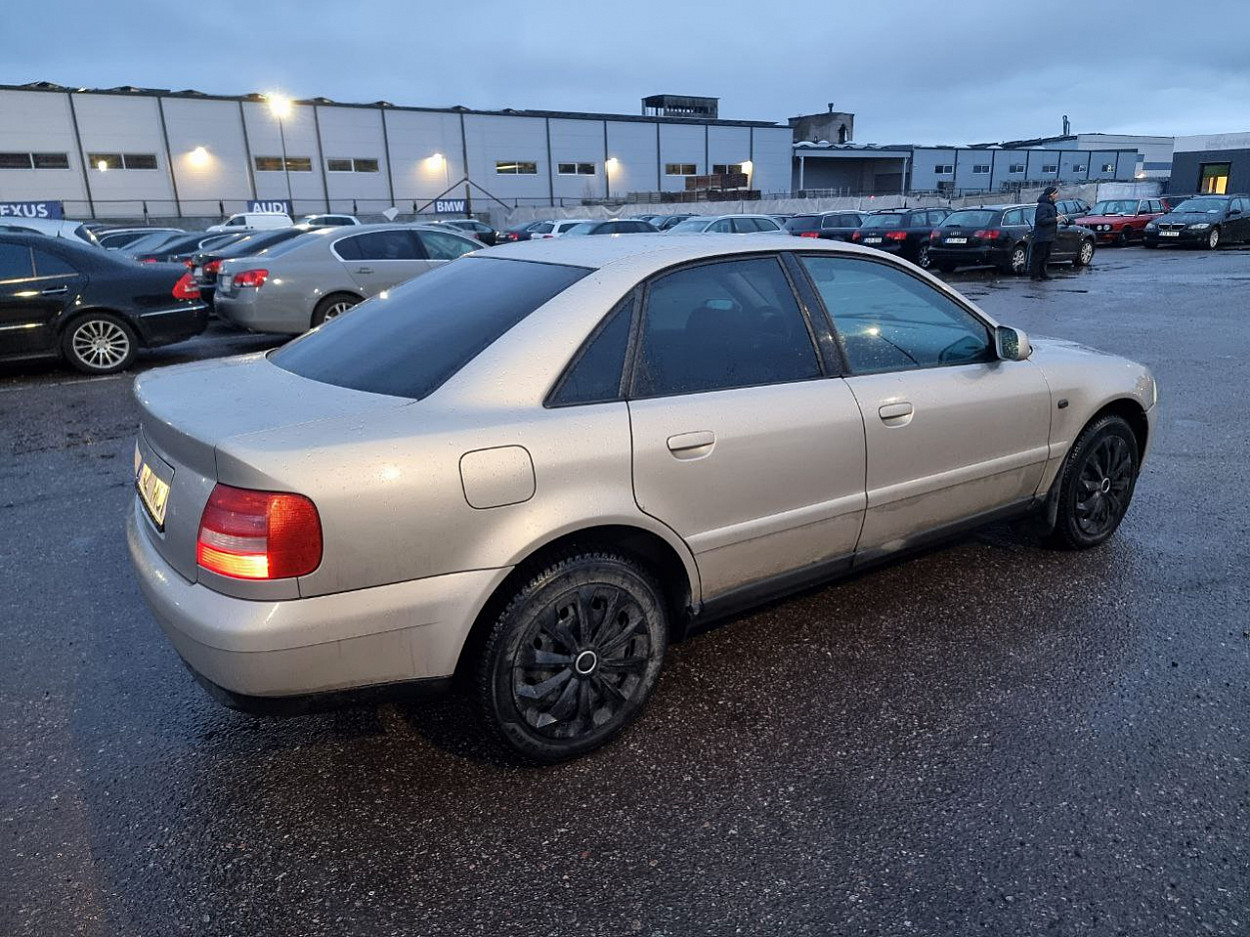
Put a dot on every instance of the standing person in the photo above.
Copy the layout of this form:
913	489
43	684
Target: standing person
1045	230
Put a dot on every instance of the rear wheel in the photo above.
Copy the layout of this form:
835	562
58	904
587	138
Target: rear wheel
99	343
573	657
1096	484
1085	253
332	307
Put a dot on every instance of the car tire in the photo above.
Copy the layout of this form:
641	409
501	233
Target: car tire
1084	254
1213	239
923	260
99	343
1123	239
572	658
332	306
1096	484
1018	261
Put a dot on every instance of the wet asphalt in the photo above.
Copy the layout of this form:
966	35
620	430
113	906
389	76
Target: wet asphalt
989	738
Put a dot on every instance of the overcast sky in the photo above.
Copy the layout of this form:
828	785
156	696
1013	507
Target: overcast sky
912	71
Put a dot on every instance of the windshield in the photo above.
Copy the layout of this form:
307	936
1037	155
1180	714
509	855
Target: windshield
423	332
691	224
1201	204
884	221
969	219
586	227
1115	206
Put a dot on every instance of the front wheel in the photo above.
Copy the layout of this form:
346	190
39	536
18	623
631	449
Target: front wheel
1085	254
923	260
1213	239
1096	484
99	343
573	657
1018	262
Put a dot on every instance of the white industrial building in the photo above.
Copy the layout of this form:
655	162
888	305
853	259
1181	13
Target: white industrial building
124	152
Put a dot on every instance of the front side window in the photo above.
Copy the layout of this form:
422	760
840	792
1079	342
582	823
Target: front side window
888	320
719	326
409	344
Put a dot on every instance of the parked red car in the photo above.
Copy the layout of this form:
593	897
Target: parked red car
1121	220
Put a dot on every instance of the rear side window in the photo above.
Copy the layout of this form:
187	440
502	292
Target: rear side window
426	330
50	265
15	262
722	325
970	219
378	245
440	246
595	376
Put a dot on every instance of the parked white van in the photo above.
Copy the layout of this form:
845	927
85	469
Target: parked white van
253	221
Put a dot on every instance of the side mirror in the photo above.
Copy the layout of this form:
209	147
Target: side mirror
1012	344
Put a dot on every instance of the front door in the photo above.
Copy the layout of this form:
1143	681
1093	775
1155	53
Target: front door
741	444
952	431
35	285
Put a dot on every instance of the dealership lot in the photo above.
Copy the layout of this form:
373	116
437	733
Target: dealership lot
989	736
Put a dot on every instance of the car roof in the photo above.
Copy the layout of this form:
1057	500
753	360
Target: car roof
659	249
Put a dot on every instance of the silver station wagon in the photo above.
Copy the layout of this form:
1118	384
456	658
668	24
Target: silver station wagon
299	284
533	468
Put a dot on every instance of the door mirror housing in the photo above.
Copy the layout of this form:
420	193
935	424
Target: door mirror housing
1011	344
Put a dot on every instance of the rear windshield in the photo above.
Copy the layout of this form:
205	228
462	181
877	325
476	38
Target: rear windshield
803	223
152	241
425	331
884	221
969	219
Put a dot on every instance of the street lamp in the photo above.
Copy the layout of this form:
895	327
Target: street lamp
280	107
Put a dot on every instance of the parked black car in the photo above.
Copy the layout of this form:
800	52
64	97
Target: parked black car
180	249
205	264
664	222
1073	208
1203	221
830	225
618	226
519	232
118	238
998	236
474	229
89	306
902	231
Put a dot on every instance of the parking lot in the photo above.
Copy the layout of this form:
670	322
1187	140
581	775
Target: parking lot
987	738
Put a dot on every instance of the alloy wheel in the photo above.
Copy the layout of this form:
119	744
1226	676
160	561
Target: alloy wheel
1019	257
100	344
337	309
1213	239
1104	486
1087	253
922	258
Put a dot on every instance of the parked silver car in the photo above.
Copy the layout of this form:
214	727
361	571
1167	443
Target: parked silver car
729	224
536	466
303	282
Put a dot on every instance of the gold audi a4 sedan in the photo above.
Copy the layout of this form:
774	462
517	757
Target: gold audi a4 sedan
533	468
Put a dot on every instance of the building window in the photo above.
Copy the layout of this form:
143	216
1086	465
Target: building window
1214	178
342	164
1050	167
725	169
274	163
117	160
575	169
980	169
943	169
680	169
1075	169
34	160
511	168
1016	168
15	161
1108	167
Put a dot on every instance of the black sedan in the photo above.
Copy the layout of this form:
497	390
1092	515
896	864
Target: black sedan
1203	221
519	232
181	249
999	236
829	225
89	306
903	231
205	264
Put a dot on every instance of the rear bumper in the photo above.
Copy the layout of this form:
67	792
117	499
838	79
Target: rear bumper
166	326
249	652
248	309
970	256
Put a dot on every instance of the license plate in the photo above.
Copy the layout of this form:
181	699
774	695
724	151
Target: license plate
956	241
1169	234
197	272
225	280
872	240
153	492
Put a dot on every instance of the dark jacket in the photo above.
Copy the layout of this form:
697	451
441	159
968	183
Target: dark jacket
1046	221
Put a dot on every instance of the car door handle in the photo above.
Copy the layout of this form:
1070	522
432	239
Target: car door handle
692	445
54	291
364	270
895	414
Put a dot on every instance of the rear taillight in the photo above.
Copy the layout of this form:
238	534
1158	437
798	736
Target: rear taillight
896	236
148	260
856	236
934	235
990	234
809	234
258	534
185	288
212	266
251	278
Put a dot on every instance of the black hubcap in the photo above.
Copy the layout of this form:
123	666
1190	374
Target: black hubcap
582	661
1104	486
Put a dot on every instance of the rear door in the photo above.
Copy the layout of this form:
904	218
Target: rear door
743	445
378	260
952	432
